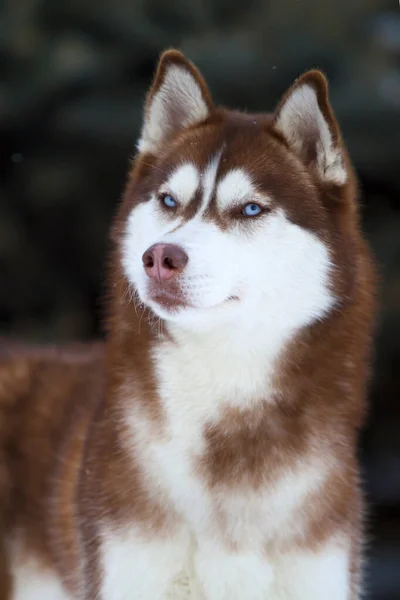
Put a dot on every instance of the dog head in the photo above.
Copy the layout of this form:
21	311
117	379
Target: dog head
229	215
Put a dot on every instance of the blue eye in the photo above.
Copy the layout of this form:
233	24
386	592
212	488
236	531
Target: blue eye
169	201
251	210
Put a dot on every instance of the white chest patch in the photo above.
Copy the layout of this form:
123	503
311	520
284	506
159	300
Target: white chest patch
195	383
32	582
171	569
139	568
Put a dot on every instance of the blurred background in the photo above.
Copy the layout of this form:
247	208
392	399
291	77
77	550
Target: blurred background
73	77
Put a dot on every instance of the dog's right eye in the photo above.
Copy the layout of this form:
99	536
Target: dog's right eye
168	201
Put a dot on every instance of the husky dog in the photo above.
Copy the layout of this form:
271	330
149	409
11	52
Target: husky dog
212	439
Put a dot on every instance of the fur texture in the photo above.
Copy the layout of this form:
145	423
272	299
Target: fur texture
208	449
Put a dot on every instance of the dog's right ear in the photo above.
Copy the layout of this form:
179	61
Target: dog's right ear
178	98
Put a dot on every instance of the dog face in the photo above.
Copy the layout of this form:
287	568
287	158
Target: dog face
225	216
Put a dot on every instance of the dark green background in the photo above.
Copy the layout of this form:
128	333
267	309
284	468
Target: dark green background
73	77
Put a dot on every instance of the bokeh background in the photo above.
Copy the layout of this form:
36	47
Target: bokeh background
73	78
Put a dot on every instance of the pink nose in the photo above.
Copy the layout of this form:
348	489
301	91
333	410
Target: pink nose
164	261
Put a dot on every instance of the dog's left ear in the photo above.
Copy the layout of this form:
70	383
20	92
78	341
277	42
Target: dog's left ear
306	120
178	98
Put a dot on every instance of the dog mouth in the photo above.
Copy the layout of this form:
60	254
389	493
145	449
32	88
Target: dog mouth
169	301
174	302
172	298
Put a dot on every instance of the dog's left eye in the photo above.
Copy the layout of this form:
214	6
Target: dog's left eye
169	201
251	210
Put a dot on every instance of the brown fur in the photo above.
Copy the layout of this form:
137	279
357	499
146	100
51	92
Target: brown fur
64	465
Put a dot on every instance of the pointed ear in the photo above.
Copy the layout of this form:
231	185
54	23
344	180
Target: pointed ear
178	98
305	118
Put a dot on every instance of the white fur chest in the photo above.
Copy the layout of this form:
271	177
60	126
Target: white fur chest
195	381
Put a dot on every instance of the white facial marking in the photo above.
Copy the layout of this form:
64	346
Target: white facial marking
299	116
182	184
177	104
208	181
279	266
234	188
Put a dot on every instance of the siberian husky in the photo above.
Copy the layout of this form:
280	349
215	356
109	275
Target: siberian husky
208	449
